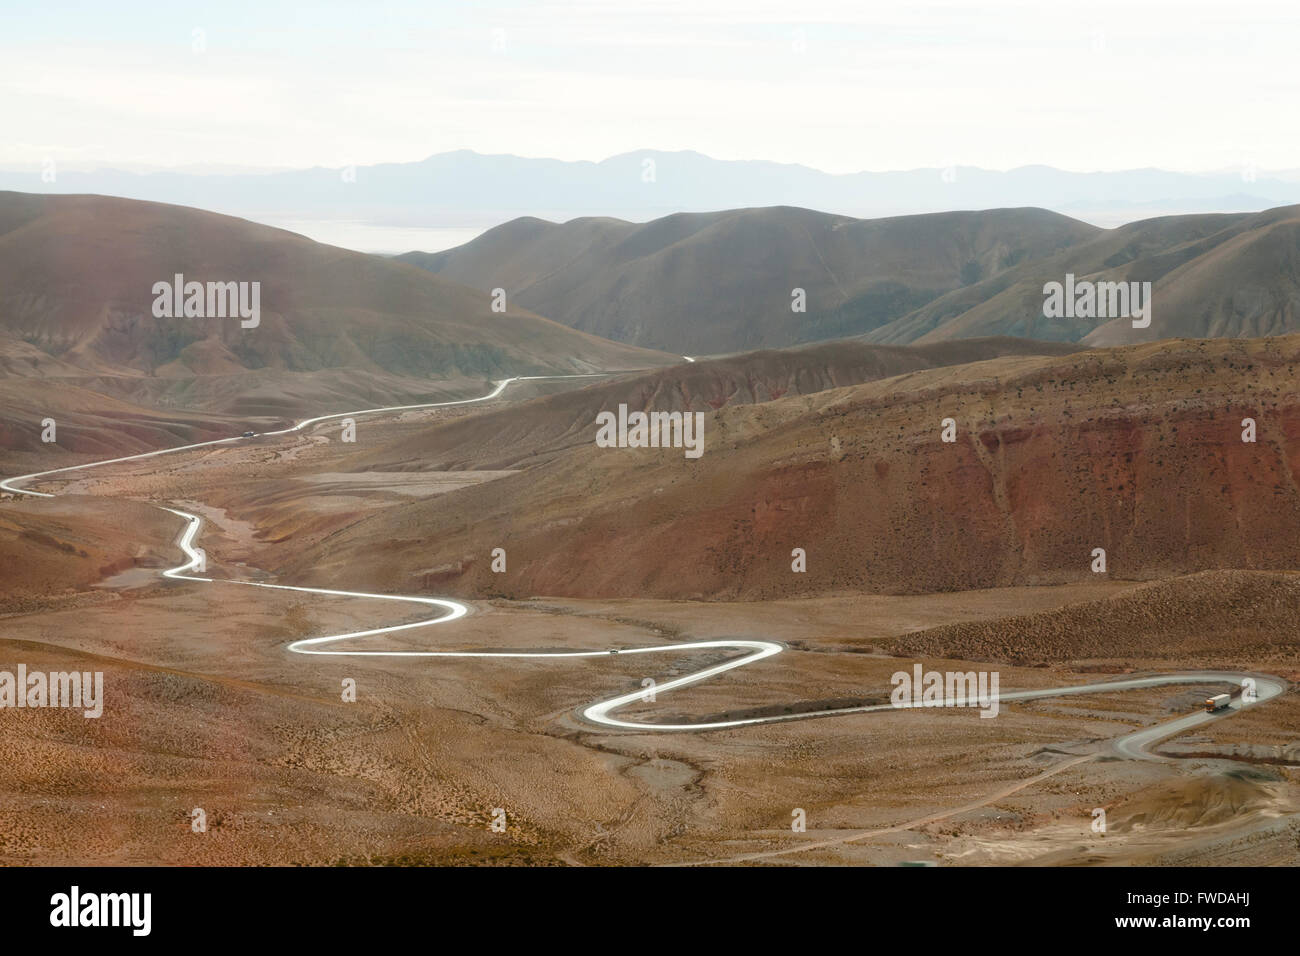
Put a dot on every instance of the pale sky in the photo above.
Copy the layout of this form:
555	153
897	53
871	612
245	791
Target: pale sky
839	86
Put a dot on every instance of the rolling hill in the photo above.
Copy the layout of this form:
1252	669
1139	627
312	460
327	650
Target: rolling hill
1137	450
76	288
722	282
1247	285
511	437
1229	276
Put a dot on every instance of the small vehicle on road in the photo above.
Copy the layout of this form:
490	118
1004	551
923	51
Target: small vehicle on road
1217	702
249	435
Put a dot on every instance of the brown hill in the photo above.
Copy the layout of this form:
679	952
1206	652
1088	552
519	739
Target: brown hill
90	425
1213	276
895	281
1211	618
513	436
721	282
1135	450
52	548
76	285
1247	285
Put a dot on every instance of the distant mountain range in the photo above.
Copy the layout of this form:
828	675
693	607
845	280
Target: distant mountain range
724	282
468	188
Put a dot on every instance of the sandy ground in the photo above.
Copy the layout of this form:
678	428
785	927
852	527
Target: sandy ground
206	709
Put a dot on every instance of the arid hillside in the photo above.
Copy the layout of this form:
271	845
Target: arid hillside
89	425
1208	619
1136	450
76	288
1012	303
1213	276
1247	285
52	550
511	437
722	282
894	281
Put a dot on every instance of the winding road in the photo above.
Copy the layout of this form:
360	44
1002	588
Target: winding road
1135	745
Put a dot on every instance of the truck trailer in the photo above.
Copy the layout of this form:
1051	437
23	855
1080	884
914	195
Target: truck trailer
1217	702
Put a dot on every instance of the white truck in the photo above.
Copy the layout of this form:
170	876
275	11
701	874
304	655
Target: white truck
1217	702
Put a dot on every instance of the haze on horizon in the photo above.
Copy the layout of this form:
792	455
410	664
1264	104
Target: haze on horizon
837	86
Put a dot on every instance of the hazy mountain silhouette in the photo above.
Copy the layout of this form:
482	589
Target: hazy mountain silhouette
469	187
